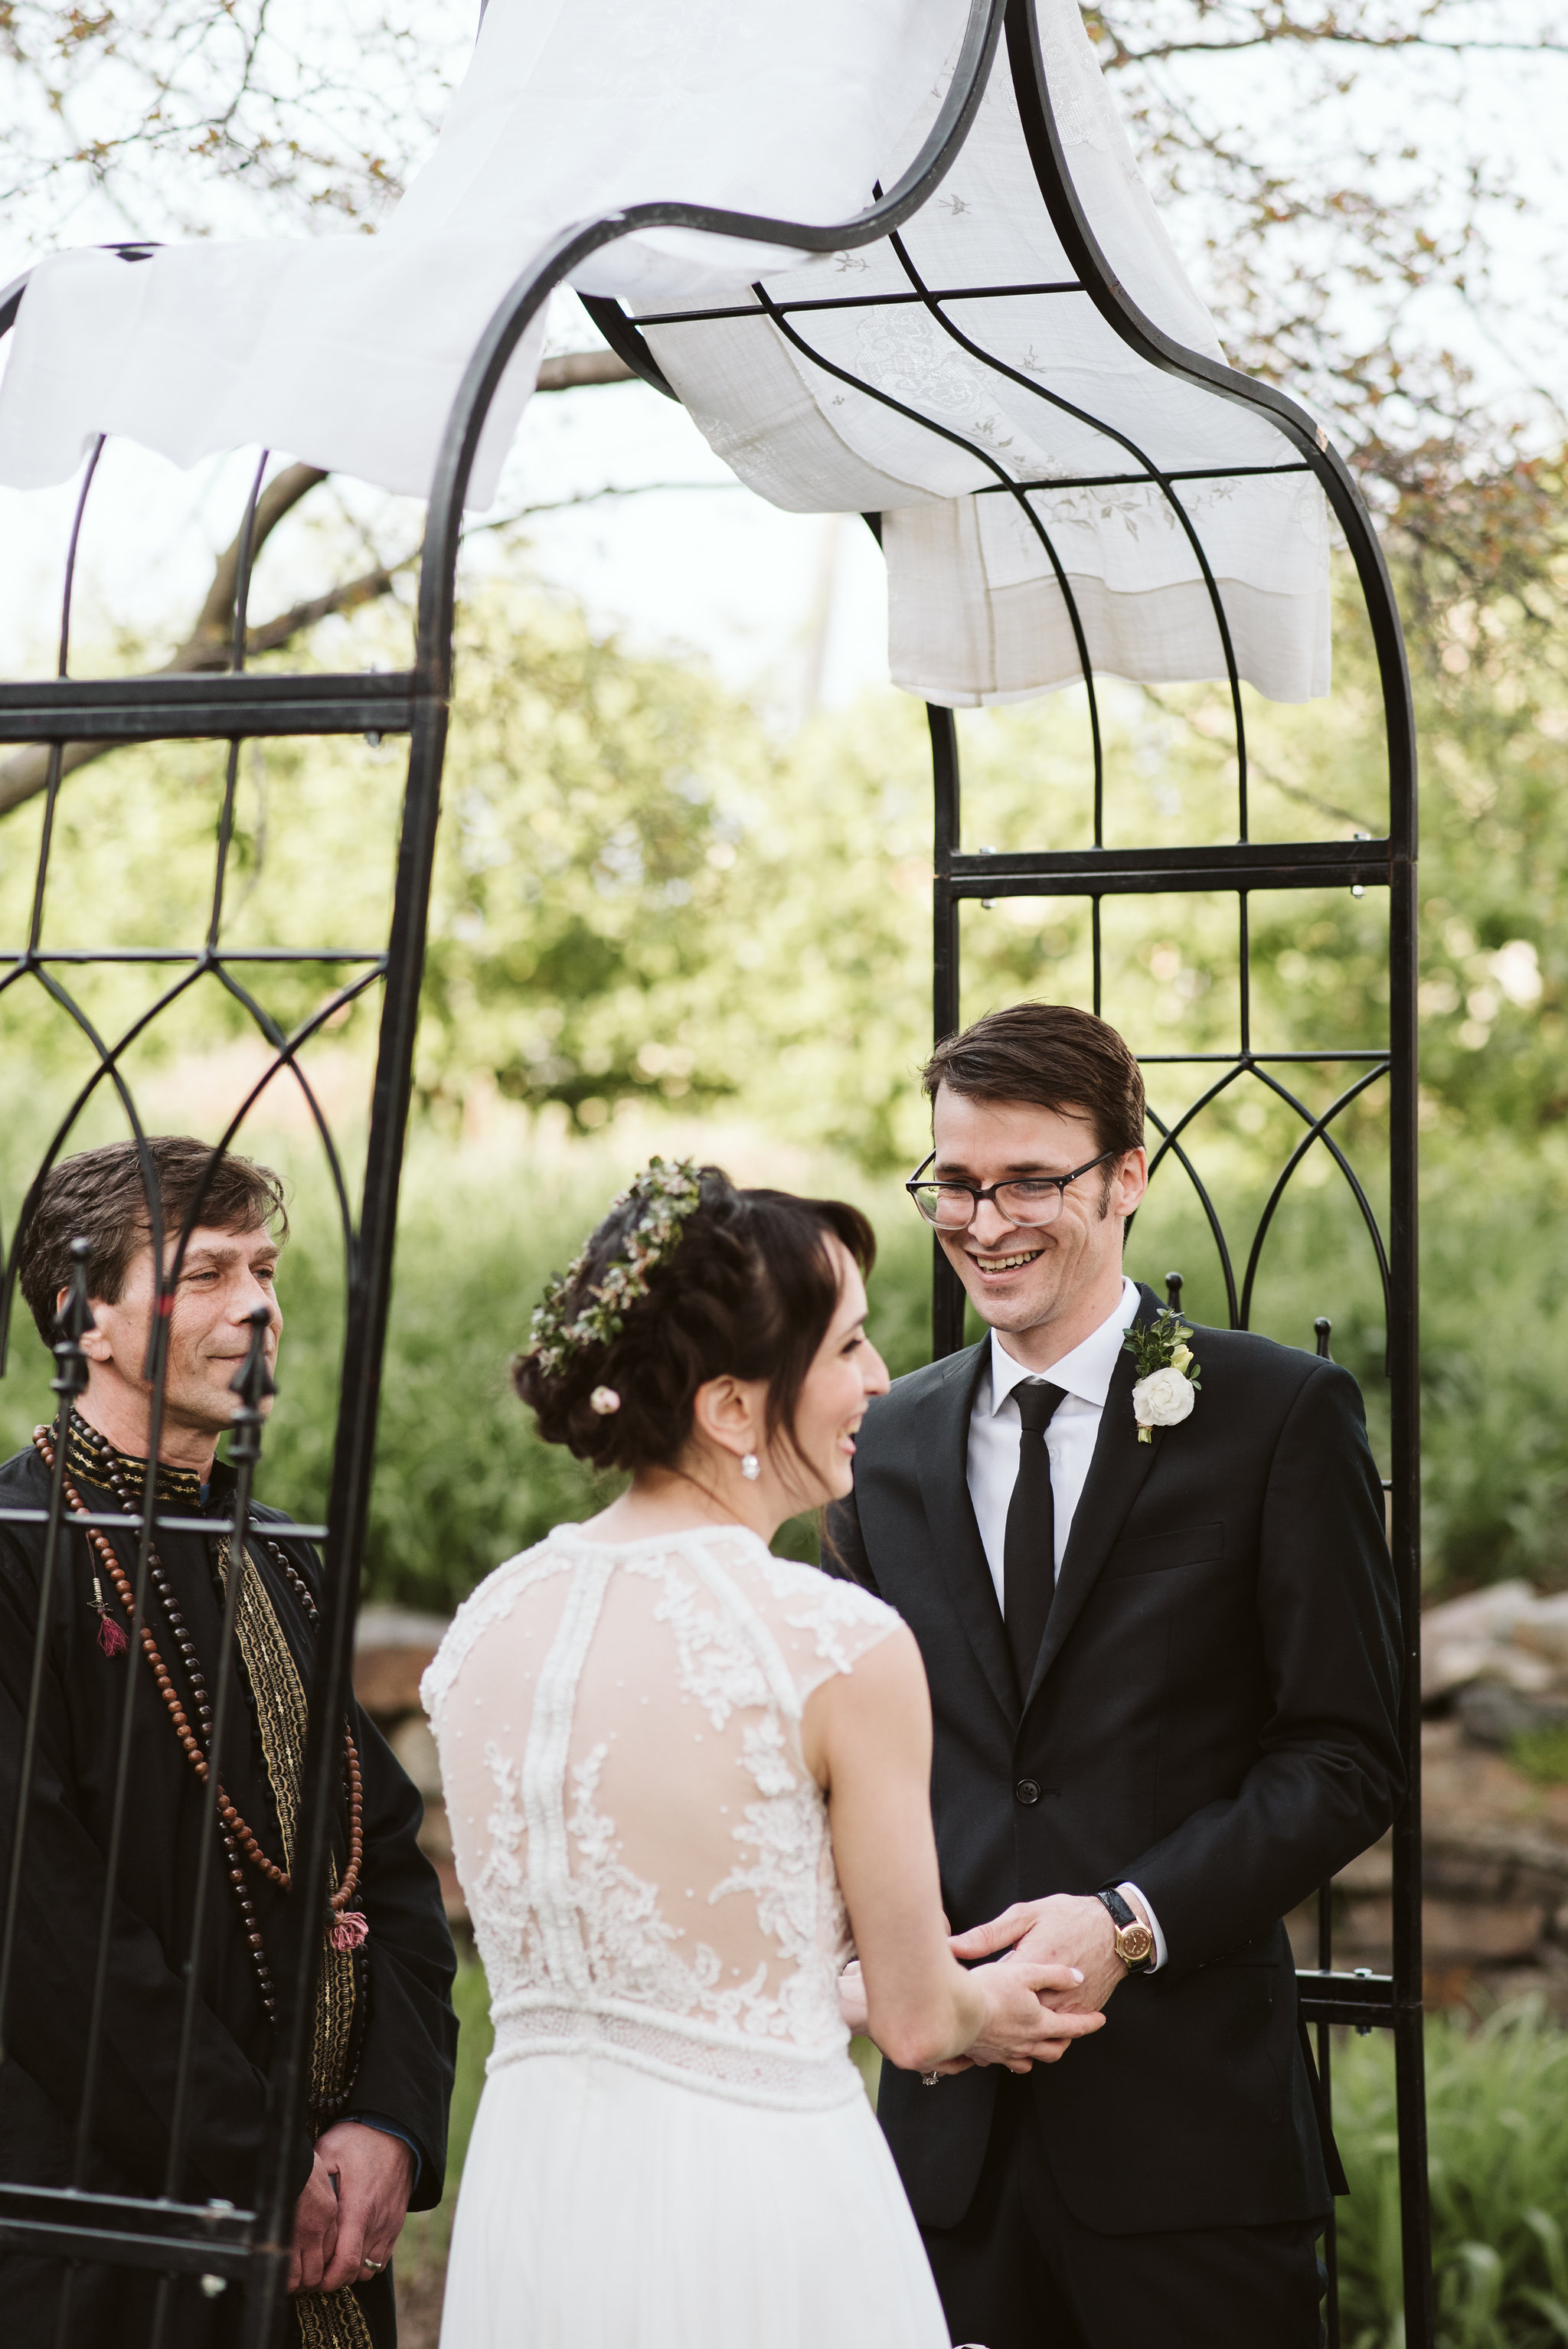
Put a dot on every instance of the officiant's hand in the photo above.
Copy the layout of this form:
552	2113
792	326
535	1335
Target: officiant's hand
315	2229
1064	1931
374	2175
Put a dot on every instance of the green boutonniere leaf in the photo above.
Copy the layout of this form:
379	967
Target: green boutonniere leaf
1155	1345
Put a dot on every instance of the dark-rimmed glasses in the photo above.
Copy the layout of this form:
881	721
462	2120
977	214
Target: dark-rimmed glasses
1029	1200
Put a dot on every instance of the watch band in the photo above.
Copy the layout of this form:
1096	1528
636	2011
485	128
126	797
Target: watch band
1134	1939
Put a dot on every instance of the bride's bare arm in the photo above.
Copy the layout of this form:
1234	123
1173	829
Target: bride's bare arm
867	1740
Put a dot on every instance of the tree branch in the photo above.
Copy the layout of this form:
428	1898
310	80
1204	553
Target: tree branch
210	644
569	370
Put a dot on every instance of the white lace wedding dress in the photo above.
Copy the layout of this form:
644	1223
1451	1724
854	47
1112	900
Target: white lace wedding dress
674	2149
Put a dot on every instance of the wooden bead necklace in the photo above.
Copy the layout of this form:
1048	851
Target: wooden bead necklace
349	1929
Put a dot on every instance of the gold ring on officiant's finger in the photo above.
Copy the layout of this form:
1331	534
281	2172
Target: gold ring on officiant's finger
929	2079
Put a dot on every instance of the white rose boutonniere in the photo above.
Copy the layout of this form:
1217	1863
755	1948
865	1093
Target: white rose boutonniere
1168	1380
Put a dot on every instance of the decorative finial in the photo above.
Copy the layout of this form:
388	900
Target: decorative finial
1173	1291
1324	1328
73	1319
254	1383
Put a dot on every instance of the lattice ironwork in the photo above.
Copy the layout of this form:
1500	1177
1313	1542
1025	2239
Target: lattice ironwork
172	2235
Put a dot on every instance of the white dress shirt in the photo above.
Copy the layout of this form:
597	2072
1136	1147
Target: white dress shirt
994	1429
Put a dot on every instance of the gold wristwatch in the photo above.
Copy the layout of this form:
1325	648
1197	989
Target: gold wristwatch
1134	1938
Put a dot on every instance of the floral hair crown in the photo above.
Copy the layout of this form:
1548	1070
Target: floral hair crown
665	1194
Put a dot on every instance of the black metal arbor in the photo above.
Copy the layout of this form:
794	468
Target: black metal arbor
168	2235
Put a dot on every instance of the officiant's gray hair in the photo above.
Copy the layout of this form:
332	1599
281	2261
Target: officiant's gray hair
100	1196
1052	1055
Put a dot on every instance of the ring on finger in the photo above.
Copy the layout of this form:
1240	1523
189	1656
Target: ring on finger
375	2266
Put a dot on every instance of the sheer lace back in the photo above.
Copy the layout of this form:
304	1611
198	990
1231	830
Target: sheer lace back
645	1853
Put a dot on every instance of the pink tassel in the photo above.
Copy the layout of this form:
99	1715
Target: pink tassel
349	1929
111	1638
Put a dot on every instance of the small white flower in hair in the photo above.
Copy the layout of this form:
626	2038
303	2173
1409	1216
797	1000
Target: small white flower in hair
603	1399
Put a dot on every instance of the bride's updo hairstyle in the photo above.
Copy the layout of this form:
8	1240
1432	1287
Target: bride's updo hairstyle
746	1285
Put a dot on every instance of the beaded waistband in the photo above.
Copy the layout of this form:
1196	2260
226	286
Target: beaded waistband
752	2072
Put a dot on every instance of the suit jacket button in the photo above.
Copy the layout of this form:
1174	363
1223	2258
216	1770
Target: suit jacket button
1027	1790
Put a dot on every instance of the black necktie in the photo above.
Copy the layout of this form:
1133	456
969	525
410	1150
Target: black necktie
1029	1551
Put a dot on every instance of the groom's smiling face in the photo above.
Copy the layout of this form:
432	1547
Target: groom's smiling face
1022	1277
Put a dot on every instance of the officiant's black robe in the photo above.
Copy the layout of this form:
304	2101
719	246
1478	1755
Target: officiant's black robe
406	2039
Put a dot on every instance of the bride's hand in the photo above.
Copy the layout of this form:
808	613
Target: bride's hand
1019	2029
852	1997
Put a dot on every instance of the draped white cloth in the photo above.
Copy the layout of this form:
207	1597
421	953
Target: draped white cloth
348	351
976	613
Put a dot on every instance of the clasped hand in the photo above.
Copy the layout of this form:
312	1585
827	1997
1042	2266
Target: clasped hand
1066	1934
1019	2028
351	2209
1065	1945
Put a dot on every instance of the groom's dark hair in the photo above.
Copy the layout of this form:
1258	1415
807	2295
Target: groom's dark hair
1053	1056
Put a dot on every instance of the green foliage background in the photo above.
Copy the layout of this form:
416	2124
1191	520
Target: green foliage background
655	924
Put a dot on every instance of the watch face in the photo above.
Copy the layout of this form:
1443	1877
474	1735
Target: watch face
1134	1943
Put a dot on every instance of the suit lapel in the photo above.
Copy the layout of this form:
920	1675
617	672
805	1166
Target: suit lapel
943	1438
1115	1479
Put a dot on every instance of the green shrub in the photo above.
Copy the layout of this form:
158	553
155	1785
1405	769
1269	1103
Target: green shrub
1543	1755
461	1480
1497	2104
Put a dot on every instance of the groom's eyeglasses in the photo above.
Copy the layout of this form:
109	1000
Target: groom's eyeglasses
1027	1199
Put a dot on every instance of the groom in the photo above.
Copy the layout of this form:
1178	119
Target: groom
1165	1685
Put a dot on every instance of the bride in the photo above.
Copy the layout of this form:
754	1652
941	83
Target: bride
673	1762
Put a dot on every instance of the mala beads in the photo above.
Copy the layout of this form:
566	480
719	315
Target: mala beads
348	1927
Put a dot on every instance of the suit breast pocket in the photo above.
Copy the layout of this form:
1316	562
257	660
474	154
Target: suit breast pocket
1172	1546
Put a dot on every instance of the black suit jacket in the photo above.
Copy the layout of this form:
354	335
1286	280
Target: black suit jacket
1213	1715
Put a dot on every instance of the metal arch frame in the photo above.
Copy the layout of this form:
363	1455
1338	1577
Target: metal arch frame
171	2236
1326	1998
168	2235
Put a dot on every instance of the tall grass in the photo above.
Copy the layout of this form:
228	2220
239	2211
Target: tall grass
422	2246
1497	2103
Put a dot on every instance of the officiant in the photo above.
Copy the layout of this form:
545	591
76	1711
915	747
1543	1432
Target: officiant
381	2056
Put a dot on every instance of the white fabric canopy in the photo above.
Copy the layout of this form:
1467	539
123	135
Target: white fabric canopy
348	351
976	613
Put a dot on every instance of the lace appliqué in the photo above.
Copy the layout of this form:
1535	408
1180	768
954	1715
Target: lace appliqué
828	1609
628	1943
584	1951
491	1603
793	1881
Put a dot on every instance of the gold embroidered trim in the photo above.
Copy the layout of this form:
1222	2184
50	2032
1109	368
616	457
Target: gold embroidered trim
282	1717
330	2320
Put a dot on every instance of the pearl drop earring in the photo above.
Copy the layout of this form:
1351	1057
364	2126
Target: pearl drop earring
751	1467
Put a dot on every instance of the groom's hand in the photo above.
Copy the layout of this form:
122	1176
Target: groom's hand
1064	1931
